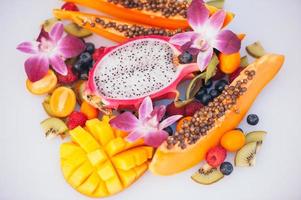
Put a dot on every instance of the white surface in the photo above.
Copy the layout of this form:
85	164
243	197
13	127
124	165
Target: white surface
29	164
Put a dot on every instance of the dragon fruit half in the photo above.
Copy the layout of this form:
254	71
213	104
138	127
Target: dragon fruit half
146	66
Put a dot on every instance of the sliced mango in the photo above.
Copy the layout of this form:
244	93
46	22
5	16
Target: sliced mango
68	149
99	162
115	146
82	173
84	139
96	157
101	130
90	185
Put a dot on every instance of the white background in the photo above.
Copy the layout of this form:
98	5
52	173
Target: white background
29	164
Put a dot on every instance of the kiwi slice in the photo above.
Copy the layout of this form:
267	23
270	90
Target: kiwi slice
207	175
246	156
46	106
244	62
77	31
255	136
256	50
79	88
53	127
48	23
216	3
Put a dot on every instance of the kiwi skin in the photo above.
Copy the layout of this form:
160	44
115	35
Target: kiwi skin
256	50
53	127
207	175
77	31
255	136
246	156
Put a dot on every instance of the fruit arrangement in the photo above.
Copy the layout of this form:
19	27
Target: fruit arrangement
105	99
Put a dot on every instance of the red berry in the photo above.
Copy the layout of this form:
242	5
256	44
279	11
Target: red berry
97	53
171	109
69	78
235	74
218	75
70	6
76	119
216	156
192	107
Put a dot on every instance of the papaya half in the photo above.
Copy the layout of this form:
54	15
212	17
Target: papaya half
147	14
113	29
168	161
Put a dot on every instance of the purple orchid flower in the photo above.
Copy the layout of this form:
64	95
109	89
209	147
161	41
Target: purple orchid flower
148	126
207	34
50	49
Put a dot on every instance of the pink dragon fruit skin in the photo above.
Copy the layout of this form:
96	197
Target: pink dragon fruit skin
183	72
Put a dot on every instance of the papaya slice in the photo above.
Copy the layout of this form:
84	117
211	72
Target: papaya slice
113	29
88	162
143	12
166	159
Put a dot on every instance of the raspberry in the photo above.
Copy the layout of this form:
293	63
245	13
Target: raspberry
171	109
235	74
97	53
70	6
216	156
192	107
76	119
69	78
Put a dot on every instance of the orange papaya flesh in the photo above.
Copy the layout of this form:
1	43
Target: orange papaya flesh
144	16
113	29
166	161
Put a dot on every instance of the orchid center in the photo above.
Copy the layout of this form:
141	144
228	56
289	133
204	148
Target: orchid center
46	45
202	44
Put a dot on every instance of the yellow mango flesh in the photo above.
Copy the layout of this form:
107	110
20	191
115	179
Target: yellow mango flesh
99	162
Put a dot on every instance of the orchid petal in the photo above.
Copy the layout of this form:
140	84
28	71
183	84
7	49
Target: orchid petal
204	58
125	121
145	108
215	23
57	31
43	34
156	138
134	135
58	65
227	42
182	38
197	15
36	67
159	111
28	47
70	46
169	121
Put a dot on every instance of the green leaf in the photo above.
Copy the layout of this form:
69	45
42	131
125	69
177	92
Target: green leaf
244	62
211	69
195	85
216	3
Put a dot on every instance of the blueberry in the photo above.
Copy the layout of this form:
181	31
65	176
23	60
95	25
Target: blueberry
205	99
90	47
78	66
185	58
169	130
214	93
85	58
220	85
226	168
200	93
208	84
252	119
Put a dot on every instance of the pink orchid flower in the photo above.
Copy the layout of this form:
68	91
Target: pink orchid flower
148	126
207	34
50	49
